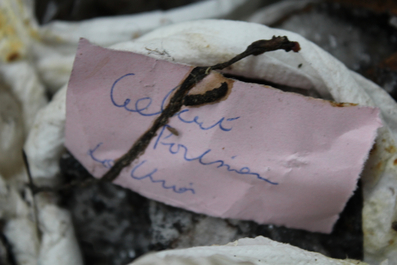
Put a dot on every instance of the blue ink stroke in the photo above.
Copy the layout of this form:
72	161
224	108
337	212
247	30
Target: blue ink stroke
108	163
163	183
200	124
140	103
161	134
174	148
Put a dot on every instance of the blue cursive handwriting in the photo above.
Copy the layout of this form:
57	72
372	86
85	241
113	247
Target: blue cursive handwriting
142	104
163	183
138	104
200	124
108	163
174	148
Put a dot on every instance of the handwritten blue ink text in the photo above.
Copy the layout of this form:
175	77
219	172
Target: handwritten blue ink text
108	163
174	148
142	105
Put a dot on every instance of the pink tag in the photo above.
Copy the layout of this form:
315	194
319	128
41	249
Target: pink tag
259	154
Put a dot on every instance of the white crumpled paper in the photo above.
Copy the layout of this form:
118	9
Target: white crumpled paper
55	53
252	251
186	43
211	41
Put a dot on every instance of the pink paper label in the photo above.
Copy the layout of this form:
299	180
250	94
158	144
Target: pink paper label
259	154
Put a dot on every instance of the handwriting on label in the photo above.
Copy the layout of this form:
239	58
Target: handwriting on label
143	106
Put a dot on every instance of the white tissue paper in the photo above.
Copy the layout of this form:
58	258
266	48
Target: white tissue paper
196	43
